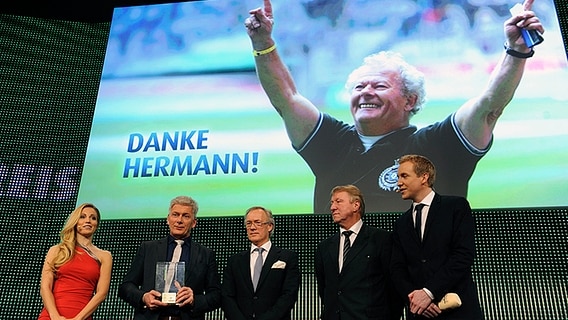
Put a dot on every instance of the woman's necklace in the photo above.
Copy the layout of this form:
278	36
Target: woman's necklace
88	247
89	251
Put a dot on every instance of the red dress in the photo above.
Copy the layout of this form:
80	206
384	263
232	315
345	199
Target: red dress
74	284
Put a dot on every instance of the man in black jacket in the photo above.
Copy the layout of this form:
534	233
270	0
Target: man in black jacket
201	290
353	279
433	246
268	291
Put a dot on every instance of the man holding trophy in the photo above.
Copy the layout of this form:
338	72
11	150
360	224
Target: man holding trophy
158	284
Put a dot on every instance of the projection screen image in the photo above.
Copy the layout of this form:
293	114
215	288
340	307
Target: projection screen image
181	111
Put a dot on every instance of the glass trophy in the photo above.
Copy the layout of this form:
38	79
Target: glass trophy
170	276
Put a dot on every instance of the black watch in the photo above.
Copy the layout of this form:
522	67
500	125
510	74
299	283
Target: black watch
517	54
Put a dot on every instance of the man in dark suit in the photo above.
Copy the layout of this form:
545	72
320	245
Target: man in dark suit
434	256
201	290
269	293
353	281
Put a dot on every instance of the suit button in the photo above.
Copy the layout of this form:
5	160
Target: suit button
423	260
255	298
339	292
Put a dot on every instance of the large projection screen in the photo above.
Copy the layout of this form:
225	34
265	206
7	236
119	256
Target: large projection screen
181	111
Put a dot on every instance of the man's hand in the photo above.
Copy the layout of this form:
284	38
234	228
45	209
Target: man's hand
421	304
152	300
184	295
527	20
259	24
432	311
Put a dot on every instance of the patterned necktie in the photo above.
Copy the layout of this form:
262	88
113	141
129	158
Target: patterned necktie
346	243
257	267
177	251
418	220
170	275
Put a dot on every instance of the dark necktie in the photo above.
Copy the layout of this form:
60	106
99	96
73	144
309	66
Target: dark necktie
257	267
346	244
418	220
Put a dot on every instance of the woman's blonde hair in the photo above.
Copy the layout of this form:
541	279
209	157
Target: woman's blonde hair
68	236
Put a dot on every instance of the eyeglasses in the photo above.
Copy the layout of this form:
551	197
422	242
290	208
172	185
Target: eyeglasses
257	224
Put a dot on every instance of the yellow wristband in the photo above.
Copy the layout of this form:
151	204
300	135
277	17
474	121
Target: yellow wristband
265	51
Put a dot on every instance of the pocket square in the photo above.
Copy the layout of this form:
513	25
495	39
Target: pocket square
279	265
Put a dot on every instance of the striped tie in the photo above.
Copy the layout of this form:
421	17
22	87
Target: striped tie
346	243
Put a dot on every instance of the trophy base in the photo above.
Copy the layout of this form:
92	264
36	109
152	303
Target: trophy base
169	297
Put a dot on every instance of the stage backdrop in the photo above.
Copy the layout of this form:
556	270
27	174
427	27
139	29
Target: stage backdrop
180	109
49	79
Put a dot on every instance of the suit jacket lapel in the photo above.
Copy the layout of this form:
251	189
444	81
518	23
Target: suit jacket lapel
194	256
244	269
410	225
161	252
360	243
408	219
271	258
432	215
333	252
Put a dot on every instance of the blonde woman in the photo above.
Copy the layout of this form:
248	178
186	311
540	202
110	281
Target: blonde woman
75	278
